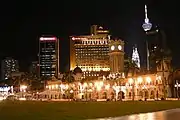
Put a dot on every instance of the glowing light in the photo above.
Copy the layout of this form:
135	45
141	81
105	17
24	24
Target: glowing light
90	84
130	80
62	86
107	87
79	38
85	85
98	88
4	89
177	84
47	38
96	84
22	99
112	47
66	86
140	80
148	79
73	38
71	91
23	88
95	68
101	83
119	47
147	25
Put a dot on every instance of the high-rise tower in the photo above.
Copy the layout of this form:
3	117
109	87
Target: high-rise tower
90	52
146	25
135	56
48	57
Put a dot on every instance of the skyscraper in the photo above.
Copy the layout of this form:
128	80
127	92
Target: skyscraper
8	66
48	57
135	56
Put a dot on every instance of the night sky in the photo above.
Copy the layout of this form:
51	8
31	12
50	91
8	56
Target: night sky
22	23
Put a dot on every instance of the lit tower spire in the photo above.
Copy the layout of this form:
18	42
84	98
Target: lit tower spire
146	25
135	56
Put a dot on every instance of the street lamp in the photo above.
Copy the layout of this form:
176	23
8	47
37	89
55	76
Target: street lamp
23	88
132	83
177	85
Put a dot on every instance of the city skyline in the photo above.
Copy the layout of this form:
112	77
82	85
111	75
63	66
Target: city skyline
124	22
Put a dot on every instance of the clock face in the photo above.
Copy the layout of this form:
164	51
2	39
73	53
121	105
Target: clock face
119	47
112	47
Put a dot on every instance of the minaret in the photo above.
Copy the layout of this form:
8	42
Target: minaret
135	56
146	25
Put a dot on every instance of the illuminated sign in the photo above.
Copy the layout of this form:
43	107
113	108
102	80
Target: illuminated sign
48	38
79	38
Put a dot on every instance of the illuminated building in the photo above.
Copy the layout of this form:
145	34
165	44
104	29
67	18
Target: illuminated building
90	52
8	66
48	57
135	56
116	54
145	87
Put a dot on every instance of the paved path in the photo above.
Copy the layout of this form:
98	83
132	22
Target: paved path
161	115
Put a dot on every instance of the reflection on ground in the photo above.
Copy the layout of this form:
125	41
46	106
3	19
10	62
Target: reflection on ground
161	115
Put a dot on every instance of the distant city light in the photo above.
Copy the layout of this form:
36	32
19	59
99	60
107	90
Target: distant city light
73	38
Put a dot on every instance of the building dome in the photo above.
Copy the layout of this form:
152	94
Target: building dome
77	70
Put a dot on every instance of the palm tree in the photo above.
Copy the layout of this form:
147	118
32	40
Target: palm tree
131	66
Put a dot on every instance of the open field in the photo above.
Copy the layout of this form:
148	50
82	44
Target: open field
33	110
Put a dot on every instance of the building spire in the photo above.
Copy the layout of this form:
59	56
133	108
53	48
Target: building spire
146	20
146	25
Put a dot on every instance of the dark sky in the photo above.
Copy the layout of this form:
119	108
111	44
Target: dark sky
22	23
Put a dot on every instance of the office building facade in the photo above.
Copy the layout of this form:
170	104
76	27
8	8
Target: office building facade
48	57
90	52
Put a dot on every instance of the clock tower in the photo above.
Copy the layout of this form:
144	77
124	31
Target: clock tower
116	56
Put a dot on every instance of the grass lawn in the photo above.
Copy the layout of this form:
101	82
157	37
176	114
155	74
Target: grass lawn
29	110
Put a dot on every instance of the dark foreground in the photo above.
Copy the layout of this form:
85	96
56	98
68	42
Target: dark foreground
29	110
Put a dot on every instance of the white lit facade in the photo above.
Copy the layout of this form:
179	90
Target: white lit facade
145	87
135	57
8	66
